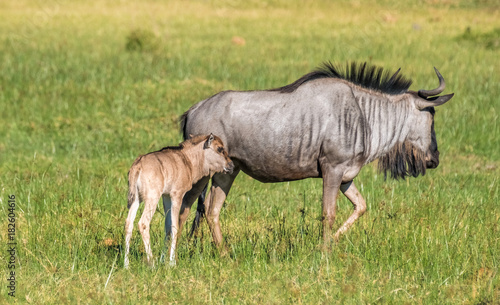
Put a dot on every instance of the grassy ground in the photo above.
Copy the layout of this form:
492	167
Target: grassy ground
85	87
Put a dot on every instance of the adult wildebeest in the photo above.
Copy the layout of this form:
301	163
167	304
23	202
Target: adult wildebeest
328	124
170	173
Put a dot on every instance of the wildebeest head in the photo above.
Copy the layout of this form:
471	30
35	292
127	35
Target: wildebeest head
216	157
425	103
420	150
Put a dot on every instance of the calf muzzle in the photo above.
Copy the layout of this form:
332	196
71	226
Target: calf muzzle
229	168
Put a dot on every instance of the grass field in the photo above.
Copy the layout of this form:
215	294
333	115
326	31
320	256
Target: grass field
86	86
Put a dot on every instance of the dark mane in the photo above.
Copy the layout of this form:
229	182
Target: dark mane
361	74
191	141
179	147
402	161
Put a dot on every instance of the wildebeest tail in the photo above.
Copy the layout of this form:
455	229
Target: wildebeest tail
200	211
183	121
133	175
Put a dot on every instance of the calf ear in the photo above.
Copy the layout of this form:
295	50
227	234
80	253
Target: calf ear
208	142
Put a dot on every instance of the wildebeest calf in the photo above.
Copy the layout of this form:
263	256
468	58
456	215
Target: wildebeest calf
170	173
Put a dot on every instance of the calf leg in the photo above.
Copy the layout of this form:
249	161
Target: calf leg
189	199
175	208
200	213
221	184
167	206
351	192
187	202
150	204
129	226
183	214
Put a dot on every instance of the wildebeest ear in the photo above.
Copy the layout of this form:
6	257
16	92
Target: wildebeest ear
208	142
433	101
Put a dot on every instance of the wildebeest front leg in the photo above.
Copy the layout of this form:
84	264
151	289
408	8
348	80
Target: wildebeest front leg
221	184
331	183
352	193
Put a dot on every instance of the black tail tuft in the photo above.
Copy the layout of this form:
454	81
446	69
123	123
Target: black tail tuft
200	212
182	122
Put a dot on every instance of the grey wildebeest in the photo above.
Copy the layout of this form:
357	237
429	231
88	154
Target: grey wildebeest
328	124
170	173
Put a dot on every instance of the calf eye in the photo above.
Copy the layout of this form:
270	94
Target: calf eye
220	149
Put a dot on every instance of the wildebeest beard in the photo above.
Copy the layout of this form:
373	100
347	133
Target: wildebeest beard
402	161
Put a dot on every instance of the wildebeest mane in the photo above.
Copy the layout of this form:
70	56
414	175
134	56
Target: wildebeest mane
402	161
362	74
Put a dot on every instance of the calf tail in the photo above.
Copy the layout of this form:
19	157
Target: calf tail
200	212
133	175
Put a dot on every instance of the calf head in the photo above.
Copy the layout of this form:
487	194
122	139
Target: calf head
216	157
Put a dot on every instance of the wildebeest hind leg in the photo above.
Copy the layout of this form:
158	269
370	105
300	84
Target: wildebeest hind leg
331	184
352	193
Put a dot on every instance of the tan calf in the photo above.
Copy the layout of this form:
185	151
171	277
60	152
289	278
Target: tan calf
170	173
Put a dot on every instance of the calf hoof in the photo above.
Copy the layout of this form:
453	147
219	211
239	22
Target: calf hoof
224	251
162	258
151	263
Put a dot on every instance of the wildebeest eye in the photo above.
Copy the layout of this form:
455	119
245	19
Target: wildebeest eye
220	149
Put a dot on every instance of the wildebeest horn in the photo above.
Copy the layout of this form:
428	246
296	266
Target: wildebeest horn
427	93
433	101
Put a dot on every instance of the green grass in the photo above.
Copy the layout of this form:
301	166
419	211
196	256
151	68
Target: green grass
85	87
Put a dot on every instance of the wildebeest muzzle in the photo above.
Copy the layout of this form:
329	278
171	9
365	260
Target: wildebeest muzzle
432	160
